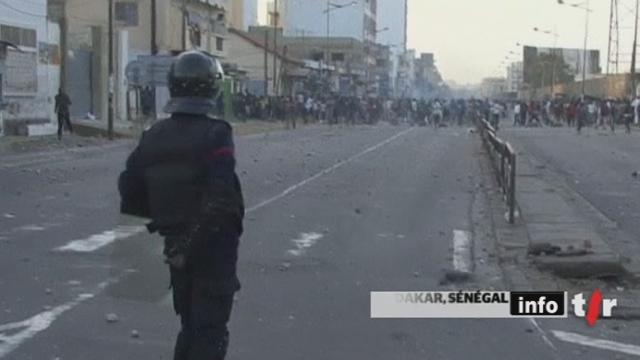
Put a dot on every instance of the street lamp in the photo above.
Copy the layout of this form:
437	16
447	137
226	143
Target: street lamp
555	35
331	7
583	6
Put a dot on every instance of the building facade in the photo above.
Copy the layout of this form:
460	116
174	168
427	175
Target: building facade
515	77
179	25
493	88
243	14
428	81
574	59
29	72
349	70
357	19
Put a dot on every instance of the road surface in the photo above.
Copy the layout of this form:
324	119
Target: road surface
333	213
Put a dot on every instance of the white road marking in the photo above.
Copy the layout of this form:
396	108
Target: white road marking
597	343
32	228
43	320
462	251
304	242
545	338
24	330
97	241
327	171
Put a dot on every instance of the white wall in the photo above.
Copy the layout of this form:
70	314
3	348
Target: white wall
32	14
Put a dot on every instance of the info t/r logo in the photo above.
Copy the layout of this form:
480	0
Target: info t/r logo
538	304
598	307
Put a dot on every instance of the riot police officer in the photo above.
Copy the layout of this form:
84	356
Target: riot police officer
182	176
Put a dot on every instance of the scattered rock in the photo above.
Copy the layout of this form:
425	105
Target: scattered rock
284	266
111	318
452	276
543	249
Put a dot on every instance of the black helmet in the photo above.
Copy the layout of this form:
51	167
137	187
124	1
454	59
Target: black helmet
195	74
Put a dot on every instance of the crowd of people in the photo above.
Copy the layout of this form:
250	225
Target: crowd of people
578	113
572	112
357	110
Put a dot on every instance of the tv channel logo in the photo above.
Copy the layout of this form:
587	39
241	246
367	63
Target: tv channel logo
538	304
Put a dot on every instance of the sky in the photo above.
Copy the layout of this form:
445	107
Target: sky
471	37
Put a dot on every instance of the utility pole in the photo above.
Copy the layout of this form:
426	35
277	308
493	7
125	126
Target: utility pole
634	89
63	44
184	25
154	42
584	51
276	18
326	59
111	80
266	63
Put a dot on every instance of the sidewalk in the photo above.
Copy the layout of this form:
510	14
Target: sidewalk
133	129
94	133
561	239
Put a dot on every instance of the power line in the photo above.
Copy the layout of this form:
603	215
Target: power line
21	11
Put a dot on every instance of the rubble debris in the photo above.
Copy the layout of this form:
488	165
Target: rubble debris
284	266
452	276
543	249
111	318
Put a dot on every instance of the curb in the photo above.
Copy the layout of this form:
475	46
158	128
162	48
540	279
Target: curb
562	239
584	266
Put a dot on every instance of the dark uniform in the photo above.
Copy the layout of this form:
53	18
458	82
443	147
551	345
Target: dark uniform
62	104
182	176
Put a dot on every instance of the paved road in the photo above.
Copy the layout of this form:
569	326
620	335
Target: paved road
598	164
333	214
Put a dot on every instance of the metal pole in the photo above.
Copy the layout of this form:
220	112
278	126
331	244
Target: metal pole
584	51
64	29
610	34
154	43
276	15
512	188
184	25
634	54
111	80
266	63
328	31
555	62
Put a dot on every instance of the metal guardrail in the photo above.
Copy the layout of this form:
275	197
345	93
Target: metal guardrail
503	159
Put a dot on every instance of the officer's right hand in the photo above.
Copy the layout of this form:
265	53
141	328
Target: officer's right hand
176	261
